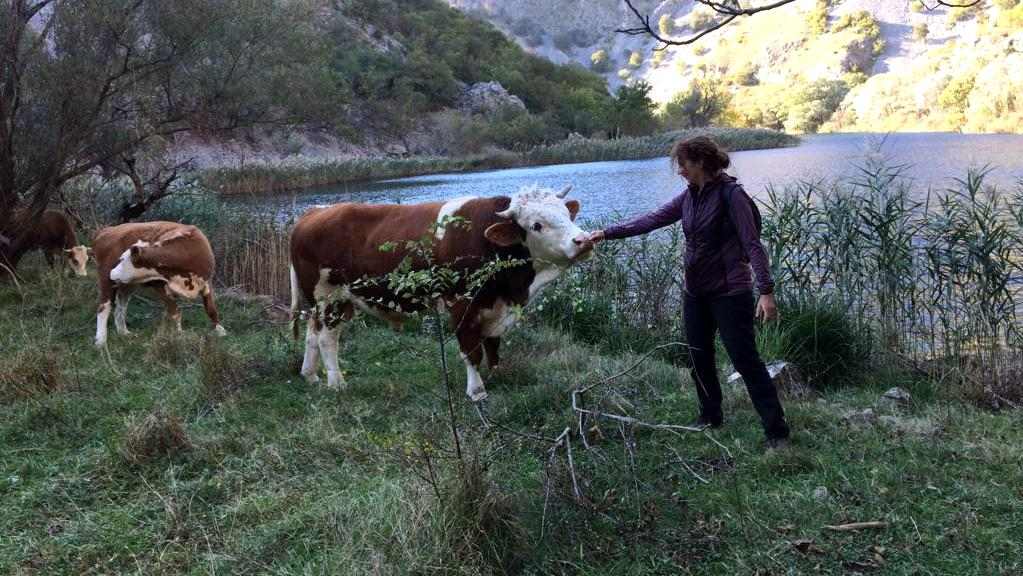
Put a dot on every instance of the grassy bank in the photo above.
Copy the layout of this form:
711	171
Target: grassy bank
178	454
263	178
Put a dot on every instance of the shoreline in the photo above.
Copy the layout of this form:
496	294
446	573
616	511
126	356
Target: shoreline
267	179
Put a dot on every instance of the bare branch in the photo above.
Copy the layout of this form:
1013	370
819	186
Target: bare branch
730	10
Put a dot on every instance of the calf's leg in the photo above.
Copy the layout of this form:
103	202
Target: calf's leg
211	311
312	352
121	310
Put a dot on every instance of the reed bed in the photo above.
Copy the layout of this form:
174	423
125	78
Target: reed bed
935	276
256	179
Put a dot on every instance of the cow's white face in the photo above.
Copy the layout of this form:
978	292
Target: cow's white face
548	221
128	271
77	257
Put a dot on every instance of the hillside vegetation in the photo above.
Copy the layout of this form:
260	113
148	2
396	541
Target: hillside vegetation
856	65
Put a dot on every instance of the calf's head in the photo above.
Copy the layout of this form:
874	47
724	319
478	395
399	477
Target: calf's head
134	267
544	222
77	258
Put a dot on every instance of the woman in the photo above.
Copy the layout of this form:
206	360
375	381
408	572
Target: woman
722	242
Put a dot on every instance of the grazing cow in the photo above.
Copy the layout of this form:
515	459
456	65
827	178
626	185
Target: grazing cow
52	234
335	254
174	259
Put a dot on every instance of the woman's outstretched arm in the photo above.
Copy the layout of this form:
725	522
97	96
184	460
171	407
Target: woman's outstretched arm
665	215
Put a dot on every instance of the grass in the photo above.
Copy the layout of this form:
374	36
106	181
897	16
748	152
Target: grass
248	469
256	179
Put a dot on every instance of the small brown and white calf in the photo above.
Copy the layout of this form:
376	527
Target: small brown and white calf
54	233
335	249
174	259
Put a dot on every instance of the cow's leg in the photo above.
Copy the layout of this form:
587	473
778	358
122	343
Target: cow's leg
310	364
48	254
106	294
471	343
124	294
211	311
330	331
171	311
490	346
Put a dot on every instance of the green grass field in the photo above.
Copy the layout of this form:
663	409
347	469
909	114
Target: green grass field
182	454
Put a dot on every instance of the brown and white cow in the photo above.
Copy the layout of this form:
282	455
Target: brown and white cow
55	236
174	259
335	255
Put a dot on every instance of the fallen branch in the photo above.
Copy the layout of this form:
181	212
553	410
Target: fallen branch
856	526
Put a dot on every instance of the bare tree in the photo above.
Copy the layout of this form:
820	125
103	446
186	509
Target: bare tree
728	10
86	83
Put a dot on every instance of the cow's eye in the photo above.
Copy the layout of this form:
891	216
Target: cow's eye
537	227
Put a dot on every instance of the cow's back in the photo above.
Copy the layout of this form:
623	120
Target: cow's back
186	246
348	237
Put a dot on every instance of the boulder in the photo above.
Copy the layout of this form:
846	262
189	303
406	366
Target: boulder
487	98
896	395
786	377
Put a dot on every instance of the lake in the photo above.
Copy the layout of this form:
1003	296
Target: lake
632	186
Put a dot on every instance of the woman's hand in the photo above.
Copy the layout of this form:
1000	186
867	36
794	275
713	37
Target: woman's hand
767	309
593	237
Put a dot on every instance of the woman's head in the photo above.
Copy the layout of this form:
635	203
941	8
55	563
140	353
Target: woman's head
698	157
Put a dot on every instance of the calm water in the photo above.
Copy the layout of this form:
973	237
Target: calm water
633	186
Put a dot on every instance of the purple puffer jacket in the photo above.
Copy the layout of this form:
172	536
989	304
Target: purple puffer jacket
719	253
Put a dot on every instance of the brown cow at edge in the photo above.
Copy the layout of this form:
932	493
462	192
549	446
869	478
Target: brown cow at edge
334	250
54	234
174	259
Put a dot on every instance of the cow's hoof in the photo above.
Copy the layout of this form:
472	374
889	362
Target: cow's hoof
125	333
100	344
312	378
219	330
478	395
336	382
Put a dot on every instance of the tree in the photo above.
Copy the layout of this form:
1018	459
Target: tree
702	104
86	83
634	110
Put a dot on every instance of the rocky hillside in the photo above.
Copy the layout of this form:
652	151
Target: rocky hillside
812	65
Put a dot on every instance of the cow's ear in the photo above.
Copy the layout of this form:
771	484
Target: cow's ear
89	252
573	208
135	252
505	234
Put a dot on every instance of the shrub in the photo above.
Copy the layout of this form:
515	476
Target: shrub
624	73
635	60
817	18
822	341
916	6
956	94
920	31
1011	19
658	57
600	61
666	25
1006	4
700	19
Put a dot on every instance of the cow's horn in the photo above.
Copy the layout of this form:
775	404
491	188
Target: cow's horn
506	214
564	191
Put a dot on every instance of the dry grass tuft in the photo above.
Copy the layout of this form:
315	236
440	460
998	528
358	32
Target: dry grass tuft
155	436
30	373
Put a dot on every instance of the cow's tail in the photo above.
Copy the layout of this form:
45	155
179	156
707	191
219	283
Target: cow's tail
296	297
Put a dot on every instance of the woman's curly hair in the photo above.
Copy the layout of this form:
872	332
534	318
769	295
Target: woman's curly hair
702	150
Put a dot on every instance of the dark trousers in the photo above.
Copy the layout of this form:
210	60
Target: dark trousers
732	316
